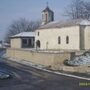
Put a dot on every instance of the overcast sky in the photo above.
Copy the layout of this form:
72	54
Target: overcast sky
30	9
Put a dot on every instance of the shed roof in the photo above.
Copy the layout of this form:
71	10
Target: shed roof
24	34
67	23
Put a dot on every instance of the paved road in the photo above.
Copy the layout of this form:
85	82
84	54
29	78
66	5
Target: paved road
28	78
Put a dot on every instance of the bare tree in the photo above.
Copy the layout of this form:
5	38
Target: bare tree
78	9
21	25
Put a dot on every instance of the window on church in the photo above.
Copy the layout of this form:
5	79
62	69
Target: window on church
67	39
38	33
46	18
59	40
42	16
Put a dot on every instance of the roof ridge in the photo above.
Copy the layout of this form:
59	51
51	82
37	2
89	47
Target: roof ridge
65	23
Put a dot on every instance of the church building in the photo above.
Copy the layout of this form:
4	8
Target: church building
62	35
52	43
55	35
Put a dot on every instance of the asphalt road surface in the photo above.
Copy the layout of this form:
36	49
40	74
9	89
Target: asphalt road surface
28	78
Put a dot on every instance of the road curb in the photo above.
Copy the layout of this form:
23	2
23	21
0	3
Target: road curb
58	73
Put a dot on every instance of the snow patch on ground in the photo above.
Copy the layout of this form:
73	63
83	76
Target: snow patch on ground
83	59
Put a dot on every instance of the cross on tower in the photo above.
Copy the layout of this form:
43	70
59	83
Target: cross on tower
47	4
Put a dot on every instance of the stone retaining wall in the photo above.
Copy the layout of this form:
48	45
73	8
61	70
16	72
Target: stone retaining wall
80	69
43	58
52	60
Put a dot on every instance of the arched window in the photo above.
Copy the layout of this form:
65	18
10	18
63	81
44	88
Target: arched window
46	17
67	39
38	33
59	40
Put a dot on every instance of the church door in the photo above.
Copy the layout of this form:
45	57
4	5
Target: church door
38	44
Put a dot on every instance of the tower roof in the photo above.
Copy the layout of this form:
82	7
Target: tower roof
47	9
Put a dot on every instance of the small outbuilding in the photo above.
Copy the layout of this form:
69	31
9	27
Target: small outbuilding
23	40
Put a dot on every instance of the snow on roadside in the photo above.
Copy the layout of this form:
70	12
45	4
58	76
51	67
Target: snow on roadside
83	59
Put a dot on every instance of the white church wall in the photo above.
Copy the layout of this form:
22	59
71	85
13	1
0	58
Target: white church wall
49	38
87	37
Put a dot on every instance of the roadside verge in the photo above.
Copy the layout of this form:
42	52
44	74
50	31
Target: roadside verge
41	67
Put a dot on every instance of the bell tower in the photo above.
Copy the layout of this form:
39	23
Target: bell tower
47	15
